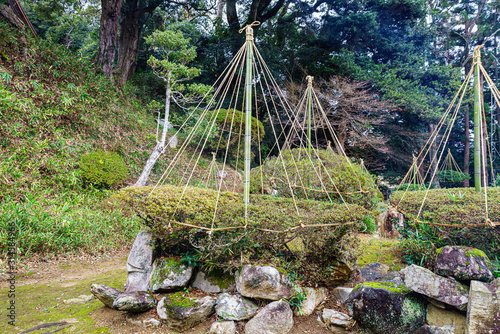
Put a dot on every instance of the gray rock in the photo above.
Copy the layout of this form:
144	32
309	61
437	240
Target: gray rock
440	318
383	307
235	307
151	322
169	275
215	281
463	263
483	312
314	296
373	272
134	302
341	293
274	318
263	282
80	300
334	320
105	294
181	313
224	327
426	329
443	289
139	263
173	141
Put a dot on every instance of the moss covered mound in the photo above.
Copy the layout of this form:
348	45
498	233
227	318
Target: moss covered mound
181	218
321	177
457	206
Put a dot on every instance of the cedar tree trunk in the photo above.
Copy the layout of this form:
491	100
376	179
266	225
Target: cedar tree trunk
107	33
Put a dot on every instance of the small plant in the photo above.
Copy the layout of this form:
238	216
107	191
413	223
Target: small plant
369	225
455	197
103	168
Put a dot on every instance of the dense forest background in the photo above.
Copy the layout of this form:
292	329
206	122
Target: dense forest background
387	68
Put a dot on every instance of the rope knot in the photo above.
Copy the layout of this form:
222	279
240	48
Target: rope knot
249	29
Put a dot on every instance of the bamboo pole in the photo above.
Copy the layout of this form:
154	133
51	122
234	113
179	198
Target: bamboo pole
309	107
477	120
248	118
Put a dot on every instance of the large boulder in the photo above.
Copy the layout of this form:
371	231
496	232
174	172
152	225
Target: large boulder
443	289
263	282
314	296
134	302
169	275
463	263
214	281
139	262
483	312
384	307
439	318
235	307
181	313
274	318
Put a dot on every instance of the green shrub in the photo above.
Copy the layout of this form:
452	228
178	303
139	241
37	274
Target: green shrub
165	207
321	178
414	187
463	206
103	168
452	176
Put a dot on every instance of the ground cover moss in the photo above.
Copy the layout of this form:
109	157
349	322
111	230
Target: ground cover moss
380	250
389	286
43	303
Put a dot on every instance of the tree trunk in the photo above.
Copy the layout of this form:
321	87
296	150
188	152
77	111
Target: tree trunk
232	15
160	145
130	32
466	145
107	33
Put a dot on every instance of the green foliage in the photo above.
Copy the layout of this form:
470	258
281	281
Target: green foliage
414	187
310	177
178	220
418	245
104	168
369	225
466	206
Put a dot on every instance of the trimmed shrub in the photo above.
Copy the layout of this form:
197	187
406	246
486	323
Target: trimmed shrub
103	168
321	247
453	206
321	178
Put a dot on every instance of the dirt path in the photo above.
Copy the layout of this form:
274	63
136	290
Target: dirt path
43	287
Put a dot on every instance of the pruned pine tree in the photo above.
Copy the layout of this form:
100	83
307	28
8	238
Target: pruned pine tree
174	52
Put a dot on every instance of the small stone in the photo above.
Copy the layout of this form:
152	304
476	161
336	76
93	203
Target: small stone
134	302
139	263
182	313
224	327
373	272
443	289
169	275
235	307
152	322
483	312
82	299
263	282
173	141
314	296
341	293
426	329
333	319
105	294
274	318
463	263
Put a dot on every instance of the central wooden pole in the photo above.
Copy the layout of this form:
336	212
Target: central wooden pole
248	118
477	120
309	107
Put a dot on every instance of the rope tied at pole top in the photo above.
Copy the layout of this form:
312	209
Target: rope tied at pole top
249	30
309	80
476	57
